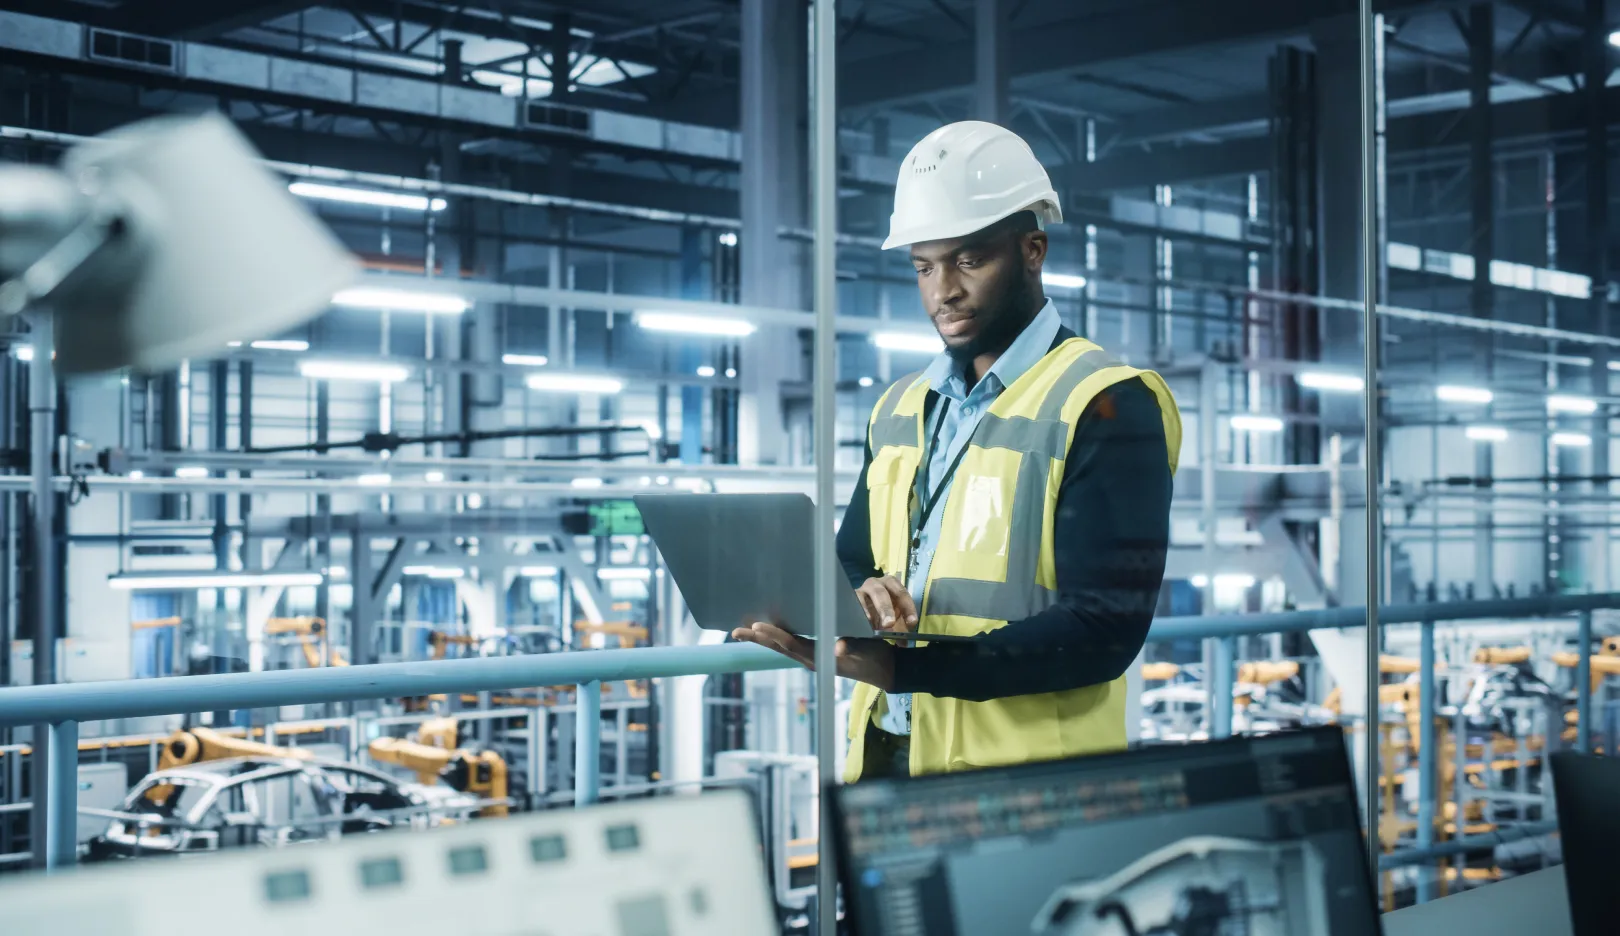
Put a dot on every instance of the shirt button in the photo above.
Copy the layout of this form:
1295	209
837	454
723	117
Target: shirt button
967	411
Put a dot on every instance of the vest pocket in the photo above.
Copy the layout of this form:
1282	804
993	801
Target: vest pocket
888	481
1014	730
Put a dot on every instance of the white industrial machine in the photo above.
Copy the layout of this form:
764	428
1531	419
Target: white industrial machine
668	867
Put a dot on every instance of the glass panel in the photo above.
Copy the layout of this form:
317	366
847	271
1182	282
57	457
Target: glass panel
1494	241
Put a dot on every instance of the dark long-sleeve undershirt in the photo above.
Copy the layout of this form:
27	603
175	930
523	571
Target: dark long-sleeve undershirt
1109	540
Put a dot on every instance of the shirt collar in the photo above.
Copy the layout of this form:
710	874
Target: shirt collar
945	375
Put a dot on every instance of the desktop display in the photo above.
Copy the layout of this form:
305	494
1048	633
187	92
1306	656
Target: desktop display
1246	837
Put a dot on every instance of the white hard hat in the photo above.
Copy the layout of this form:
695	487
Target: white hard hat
965	177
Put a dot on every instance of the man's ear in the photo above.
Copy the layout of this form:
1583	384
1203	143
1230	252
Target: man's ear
1034	246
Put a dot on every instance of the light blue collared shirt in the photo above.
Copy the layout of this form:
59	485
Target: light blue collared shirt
962	411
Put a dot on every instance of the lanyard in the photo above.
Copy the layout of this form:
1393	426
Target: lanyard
922	501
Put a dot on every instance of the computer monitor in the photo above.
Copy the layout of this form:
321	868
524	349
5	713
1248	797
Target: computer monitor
1241	837
1588	829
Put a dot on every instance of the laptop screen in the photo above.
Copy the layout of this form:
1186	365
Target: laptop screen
1243	837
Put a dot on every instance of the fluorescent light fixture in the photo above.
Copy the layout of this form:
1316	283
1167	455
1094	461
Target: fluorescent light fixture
434	477
1571	439
170	581
1199	581
705	370
728	238
1332	382
1234	580
525	360
917	342
865	381
624	574
401	300
434	572
354	196
1580	406
1063	280
374	480
282	344
1453	394
538	571
336	572
1252	423
191	472
353	370
663	479
696	485
23	352
233	344
586	483
1487	433
1614	38
694	324
574	383
731	373
136	475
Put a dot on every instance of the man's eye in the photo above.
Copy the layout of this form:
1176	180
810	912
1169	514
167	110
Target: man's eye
924	271
968	262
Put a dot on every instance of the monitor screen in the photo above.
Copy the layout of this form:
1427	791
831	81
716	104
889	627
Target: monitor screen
1242	837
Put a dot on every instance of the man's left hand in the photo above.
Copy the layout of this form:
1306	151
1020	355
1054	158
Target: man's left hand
861	659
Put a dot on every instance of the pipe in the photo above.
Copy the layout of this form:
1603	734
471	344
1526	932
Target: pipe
1371	121
1458	846
825	192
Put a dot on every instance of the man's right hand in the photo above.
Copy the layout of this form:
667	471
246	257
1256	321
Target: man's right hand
888	604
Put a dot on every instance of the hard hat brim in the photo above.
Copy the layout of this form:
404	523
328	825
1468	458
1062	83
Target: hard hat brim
1047	208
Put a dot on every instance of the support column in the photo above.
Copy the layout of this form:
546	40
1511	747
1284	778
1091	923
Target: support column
1594	90
990	60
1340	253
362	609
42	581
1482	243
774	195
689	354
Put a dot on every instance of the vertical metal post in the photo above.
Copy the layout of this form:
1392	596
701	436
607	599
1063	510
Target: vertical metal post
62	814
537	760
1595	93
1222	677
1460	781
1208	387
1426	763
587	743
1583	685
1371	457
990	60
825	215
42	581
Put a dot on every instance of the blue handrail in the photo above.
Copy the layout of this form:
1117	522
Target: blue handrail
63	706
132	698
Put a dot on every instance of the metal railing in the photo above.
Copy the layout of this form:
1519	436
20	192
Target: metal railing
62	707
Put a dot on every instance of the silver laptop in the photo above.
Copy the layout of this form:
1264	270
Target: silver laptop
741	558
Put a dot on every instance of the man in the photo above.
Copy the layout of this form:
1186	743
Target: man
1018	489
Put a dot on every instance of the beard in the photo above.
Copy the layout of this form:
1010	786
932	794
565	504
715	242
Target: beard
1003	320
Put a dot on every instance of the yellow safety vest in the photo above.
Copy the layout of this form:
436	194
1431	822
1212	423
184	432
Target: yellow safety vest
994	560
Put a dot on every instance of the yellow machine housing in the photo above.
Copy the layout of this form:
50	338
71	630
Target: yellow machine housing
481	773
199	745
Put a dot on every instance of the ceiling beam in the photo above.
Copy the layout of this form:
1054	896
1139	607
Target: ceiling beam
1125	32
